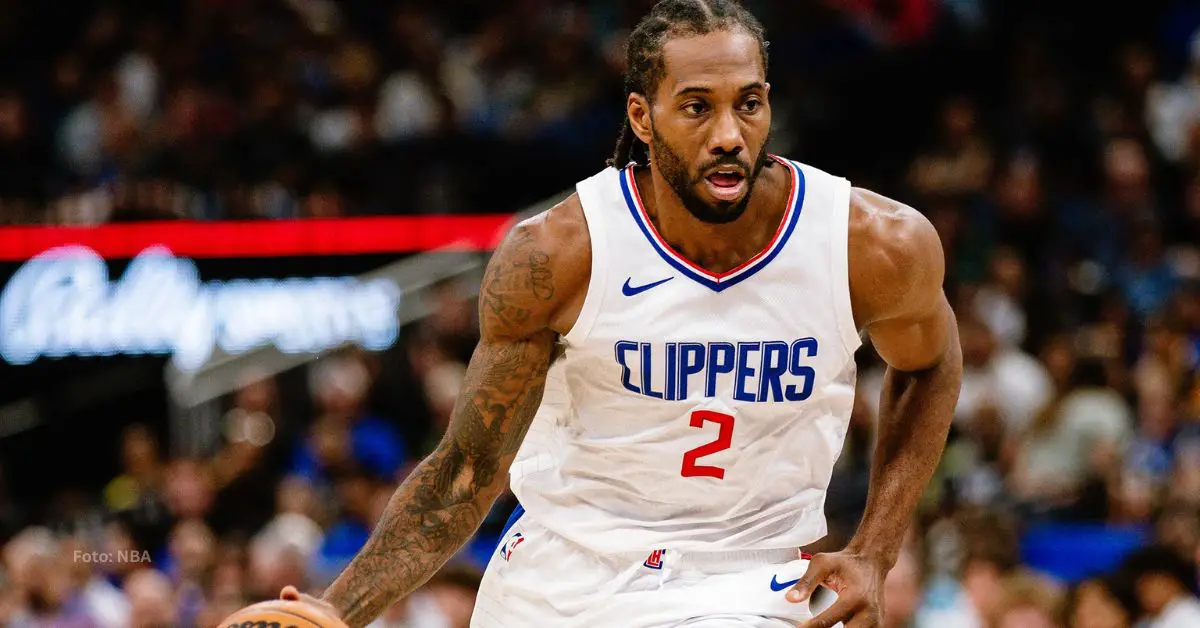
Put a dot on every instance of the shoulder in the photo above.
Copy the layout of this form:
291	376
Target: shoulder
896	260
538	274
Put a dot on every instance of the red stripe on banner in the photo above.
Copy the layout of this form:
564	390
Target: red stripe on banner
265	238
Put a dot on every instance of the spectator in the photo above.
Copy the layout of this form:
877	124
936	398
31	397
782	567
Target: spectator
41	584
344	435
150	600
1073	444
188	489
415	101
962	162
902	592
245	469
353	525
1000	303
99	136
348	125
1022	224
1147	279
117	539
1100	603
1165	363
102	601
228	591
192	552
1004	378
135	490
445	601
1028	602
1165	588
1173	109
281	552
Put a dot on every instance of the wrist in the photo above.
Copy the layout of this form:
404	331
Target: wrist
882	558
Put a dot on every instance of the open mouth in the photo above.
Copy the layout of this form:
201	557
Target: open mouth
726	183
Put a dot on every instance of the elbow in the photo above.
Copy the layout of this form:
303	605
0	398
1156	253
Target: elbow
954	357
947	366
952	360
944	377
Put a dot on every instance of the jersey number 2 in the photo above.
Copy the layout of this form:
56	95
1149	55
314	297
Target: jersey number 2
724	440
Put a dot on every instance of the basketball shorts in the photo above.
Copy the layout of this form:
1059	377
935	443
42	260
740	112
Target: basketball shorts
536	578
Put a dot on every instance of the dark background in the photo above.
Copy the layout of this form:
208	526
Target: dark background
1055	145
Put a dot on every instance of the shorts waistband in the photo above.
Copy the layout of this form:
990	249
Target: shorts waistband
677	559
673	558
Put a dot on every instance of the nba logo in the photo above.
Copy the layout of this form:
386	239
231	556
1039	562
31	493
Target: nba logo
655	559
507	550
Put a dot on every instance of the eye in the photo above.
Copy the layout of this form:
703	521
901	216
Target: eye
695	108
751	105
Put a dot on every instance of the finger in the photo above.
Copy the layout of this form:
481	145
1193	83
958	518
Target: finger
841	610
290	593
818	570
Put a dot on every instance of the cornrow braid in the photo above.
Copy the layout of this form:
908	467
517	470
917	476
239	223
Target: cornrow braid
644	63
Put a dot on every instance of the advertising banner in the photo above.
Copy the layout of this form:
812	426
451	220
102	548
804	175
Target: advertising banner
183	290
99	324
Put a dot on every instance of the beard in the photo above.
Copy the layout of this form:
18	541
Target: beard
675	171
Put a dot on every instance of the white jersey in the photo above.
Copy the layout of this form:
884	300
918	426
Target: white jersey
698	410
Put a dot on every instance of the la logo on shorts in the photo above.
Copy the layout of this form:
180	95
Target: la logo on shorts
655	559
511	544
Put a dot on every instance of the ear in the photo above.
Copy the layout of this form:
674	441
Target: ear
638	110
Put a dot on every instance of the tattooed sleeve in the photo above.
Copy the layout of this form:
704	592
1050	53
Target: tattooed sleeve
444	500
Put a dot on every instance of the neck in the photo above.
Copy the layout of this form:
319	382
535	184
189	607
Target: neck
717	247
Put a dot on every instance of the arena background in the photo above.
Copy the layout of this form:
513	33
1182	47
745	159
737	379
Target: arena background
247	149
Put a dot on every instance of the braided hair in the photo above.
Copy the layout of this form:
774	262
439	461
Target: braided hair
644	63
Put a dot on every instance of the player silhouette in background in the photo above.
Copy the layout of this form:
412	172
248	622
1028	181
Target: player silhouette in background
708	298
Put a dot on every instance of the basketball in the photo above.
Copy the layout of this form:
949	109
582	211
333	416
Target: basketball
281	614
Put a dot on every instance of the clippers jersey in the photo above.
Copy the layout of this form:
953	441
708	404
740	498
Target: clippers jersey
698	410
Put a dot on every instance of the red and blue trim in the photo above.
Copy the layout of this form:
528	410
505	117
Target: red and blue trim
717	281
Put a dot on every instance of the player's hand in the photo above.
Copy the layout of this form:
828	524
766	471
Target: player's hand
292	594
858	582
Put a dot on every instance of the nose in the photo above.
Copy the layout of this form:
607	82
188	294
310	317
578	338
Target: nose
726	137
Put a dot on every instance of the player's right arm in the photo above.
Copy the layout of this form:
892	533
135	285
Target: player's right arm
530	291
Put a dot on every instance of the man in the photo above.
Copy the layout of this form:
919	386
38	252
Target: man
708	300
1164	584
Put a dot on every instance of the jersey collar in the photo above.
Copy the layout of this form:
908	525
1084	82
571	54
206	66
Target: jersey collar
717	281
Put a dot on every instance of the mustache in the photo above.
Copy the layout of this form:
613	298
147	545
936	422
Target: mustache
727	160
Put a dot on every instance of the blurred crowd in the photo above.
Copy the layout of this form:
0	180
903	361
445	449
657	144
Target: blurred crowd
1060	164
178	541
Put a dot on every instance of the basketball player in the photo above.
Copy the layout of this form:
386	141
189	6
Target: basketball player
708	299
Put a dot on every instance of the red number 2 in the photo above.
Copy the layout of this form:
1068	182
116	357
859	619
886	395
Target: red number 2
724	440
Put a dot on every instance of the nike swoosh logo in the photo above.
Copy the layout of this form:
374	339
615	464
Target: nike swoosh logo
779	586
630	291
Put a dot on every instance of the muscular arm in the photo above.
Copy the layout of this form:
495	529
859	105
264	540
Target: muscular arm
896	270
529	284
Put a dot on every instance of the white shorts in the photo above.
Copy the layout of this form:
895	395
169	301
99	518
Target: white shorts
537	578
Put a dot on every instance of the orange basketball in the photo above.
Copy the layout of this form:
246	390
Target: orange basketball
281	614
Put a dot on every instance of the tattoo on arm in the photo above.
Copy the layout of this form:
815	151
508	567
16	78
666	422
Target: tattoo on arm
444	500
508	294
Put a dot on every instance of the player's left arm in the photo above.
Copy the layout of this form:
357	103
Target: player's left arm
896	272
